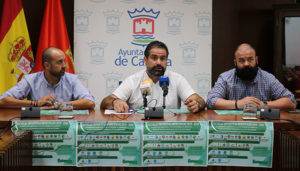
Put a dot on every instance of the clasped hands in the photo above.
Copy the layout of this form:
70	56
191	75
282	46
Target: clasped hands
250	100
47	102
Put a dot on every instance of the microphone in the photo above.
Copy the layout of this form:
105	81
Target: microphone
146	89
164	84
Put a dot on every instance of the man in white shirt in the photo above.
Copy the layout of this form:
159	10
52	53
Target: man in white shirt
128	94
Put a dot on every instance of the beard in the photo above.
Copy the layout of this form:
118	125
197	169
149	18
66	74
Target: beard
58	74
247	73
157	73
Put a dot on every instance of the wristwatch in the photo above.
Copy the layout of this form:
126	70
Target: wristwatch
199	105
265	104
55	104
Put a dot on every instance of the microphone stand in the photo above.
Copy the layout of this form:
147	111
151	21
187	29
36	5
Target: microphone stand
164	102
145	99
164	98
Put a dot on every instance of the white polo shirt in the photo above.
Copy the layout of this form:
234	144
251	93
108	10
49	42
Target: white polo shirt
179	90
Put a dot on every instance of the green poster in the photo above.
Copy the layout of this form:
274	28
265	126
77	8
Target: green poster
240	143
175	144
109	144
53	142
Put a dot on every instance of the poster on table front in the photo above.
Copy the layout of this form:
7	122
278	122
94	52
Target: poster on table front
175	144
53	142
109	144
240	143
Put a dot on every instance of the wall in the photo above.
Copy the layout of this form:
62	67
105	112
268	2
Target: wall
234	22
238	21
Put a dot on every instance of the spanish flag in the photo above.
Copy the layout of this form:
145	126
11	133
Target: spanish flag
16	58
54	33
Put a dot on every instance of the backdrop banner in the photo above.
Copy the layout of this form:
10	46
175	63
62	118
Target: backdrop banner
110	38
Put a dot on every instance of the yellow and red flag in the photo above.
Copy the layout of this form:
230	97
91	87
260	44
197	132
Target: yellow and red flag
16	58
54	33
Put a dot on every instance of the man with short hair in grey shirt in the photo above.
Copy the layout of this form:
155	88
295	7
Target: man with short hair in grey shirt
50	88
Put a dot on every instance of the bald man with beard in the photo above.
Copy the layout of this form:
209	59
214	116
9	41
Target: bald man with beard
247	83
50	88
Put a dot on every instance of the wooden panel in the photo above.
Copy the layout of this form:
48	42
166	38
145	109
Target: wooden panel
15	150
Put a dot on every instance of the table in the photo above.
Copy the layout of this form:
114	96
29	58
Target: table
286	153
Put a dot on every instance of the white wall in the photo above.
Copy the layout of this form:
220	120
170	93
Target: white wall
292	41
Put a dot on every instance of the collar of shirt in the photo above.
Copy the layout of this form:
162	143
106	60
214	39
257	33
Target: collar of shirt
56	85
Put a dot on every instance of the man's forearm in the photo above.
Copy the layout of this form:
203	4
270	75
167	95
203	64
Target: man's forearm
225	104
10	102
107	102
282	103
83	104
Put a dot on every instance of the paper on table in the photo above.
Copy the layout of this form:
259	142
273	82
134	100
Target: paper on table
232	112
112	112
57	112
